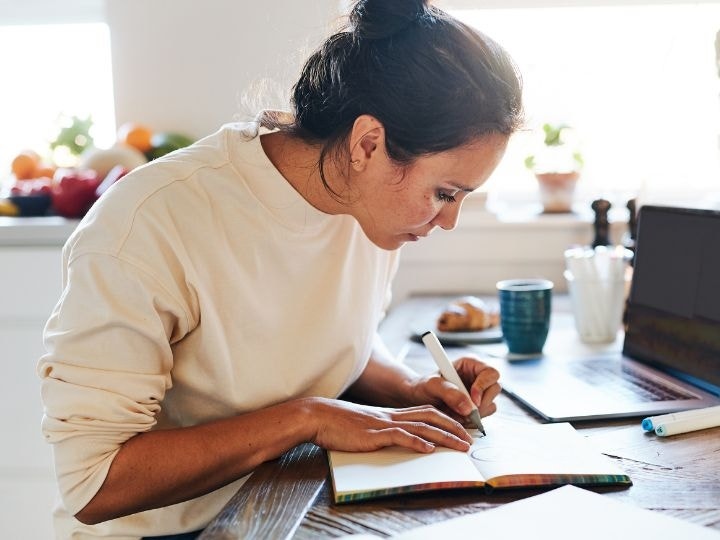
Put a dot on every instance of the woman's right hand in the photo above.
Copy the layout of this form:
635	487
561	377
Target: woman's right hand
341	425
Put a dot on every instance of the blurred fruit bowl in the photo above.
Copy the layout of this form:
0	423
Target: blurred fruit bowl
31	205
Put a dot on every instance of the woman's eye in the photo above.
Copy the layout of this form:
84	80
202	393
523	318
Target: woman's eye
445	197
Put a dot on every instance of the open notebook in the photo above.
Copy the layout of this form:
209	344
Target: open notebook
512	455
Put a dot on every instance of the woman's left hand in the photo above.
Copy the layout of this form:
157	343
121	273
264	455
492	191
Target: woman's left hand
480	379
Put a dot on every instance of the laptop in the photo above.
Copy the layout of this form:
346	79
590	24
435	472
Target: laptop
671	351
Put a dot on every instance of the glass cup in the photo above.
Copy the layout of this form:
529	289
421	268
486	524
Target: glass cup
597	306
525	313
598	280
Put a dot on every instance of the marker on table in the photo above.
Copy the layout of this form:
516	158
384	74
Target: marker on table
448	372
651	422
691	422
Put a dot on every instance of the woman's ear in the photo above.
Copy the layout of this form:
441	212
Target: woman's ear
366	138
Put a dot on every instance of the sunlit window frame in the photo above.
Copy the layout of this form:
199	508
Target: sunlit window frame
39	13
13	12
519	195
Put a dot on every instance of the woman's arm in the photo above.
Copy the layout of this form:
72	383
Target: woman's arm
164	467
384	381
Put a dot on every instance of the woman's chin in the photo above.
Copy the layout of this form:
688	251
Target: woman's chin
394	242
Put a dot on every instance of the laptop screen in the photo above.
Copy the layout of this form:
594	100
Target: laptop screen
673	315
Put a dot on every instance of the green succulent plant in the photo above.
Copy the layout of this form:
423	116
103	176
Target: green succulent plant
553	139
75	135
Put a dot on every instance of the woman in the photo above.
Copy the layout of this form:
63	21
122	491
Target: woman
218	301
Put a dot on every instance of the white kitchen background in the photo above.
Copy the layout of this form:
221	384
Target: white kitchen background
637	79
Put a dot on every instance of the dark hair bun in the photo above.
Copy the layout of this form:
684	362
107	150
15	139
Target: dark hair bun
379	19
433	82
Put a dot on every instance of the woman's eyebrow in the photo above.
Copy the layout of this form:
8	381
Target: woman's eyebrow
462	188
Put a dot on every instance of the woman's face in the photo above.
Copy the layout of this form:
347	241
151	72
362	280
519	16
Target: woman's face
403	205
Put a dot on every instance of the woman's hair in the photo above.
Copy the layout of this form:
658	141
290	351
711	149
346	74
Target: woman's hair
434	82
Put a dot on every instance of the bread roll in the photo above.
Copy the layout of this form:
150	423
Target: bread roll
468	314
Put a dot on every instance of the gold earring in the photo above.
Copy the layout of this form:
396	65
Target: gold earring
354	161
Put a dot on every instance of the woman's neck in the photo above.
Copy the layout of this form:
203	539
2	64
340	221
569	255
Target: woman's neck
297	162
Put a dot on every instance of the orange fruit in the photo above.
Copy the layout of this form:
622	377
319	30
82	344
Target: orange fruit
44	170
135	135
25	164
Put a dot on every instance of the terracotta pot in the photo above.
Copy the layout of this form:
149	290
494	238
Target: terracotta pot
557	191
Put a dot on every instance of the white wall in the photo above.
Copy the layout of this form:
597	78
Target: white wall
184	65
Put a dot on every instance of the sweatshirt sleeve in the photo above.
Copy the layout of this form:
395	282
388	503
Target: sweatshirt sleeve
106	368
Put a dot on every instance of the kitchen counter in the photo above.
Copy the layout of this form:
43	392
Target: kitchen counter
37	231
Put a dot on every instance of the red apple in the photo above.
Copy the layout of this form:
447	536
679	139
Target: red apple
73	191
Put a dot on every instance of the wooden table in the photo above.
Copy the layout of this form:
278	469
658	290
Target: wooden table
291	497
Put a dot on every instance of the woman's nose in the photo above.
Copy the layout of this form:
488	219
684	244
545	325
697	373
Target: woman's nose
448	216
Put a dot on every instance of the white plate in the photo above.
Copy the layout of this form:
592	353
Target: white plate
491	335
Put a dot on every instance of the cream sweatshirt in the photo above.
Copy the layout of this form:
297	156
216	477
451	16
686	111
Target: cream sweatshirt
200	286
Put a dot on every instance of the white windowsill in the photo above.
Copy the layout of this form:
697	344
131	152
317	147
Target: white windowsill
54	230
38	231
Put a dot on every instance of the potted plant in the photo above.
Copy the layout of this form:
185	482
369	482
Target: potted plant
556	165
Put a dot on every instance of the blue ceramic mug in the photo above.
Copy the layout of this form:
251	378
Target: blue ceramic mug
525	313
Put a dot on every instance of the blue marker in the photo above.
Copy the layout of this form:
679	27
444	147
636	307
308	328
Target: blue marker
647	424
652	422
691	422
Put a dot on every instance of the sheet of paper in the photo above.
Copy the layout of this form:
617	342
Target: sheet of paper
564	513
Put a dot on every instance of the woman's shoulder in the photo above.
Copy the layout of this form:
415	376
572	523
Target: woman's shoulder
138	198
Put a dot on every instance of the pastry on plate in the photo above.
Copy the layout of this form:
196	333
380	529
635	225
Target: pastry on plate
468	314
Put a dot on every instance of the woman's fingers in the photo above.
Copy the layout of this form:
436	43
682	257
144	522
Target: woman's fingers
481	382
481	379
361	428
421	437
395	436
443	392
440	437
431	416
488	395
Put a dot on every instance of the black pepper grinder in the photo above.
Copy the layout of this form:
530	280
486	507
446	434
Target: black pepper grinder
629	243
601	207
629	239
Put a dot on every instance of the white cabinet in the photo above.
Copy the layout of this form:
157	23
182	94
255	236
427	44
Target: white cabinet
30	278
20	400
30	285
30	281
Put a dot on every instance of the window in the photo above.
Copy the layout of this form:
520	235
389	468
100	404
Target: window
639	84
51	71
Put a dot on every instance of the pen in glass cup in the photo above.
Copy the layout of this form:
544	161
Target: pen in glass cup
449	373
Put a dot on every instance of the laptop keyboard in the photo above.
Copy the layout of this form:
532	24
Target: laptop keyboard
624	382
